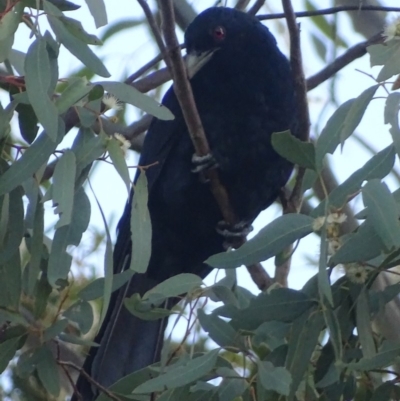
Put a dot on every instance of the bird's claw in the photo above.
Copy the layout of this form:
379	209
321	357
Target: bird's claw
238	230
203	163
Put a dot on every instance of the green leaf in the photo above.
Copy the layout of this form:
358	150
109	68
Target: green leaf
77	89
302	343
5	117
392	106
232	386
71	234
32	159
356	112
272	378
108	265
62	5
382	212
76	29
36	245
79	49
388	55
12	317
386	356
281	304
128	94
64	187
364	329
180	375
220	331
28	122
98	10
272	333
118	158
11	224
360	246
386	392
8	25
144	310
293	149
81	313
270	241
330	136
41	293
38	79
96	93
87	147
378	299
324	285
174	286
8	349
95	289
10	281
70	338
48	372
333	326
55	329
17	60
140	227
378	166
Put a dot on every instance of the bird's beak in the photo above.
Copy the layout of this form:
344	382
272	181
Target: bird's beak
195	61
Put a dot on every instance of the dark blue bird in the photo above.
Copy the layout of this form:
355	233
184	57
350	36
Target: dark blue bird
244	92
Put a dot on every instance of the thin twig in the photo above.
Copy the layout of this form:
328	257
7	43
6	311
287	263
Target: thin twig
153	26
242	4
328	11
256	7
303	129
300	88
90	379
142	70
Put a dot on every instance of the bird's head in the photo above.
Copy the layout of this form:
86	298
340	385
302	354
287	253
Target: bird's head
215	29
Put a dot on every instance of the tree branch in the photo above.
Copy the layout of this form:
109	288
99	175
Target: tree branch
342	61
82	372
185	98
303	130
328	11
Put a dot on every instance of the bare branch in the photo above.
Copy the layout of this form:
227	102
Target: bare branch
242	4
185	97
256	7
186	100
303	129
82	372
144	69
328	11
153	26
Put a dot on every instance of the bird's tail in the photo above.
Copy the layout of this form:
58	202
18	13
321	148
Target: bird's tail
127	343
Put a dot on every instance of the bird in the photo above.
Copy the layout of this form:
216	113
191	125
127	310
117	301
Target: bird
244	92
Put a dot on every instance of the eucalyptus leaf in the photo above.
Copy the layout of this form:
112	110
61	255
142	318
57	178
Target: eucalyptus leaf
141	231
38	80
128	94
293	149
270	241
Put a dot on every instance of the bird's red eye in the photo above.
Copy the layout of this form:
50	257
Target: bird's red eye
219	33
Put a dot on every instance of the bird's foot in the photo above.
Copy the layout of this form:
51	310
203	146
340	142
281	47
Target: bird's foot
203	163
232	233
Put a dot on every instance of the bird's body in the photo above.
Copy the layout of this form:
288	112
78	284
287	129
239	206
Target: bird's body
243	93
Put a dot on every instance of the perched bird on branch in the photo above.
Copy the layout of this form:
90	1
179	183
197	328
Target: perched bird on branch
243	90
